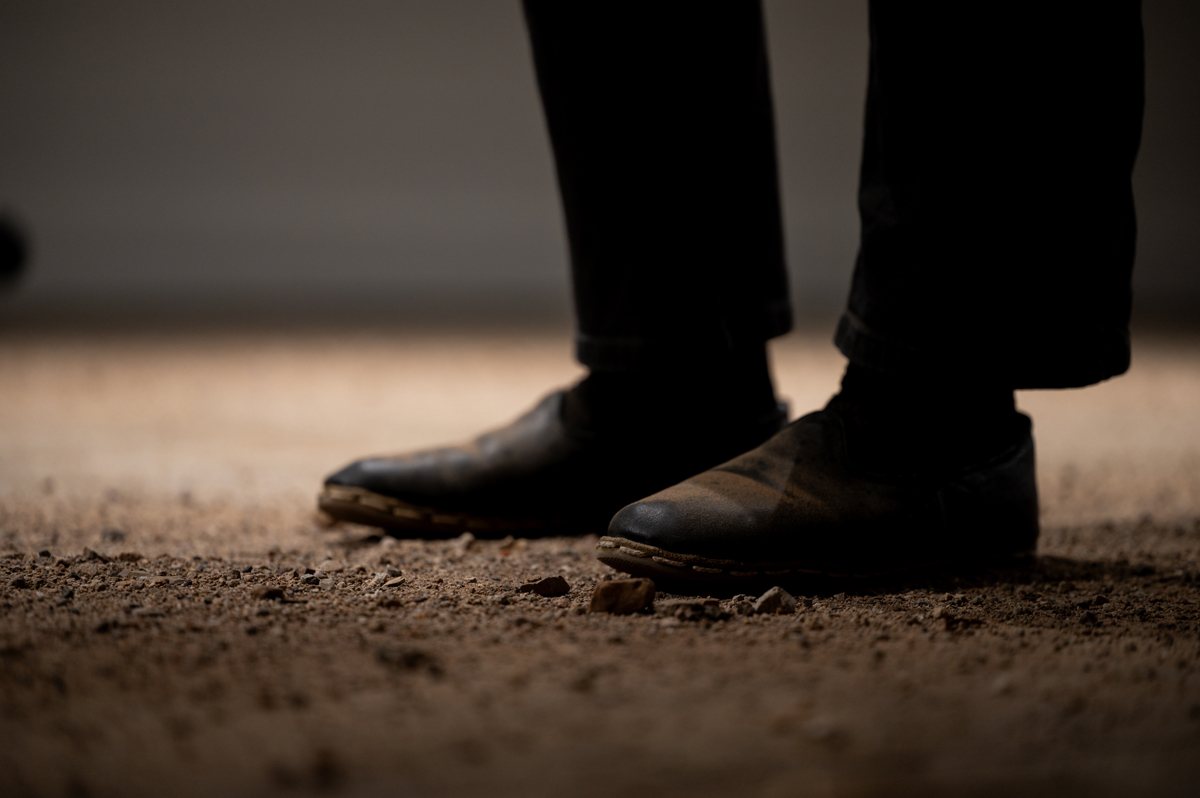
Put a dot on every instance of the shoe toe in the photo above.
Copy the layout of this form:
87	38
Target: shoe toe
694	517
388	476
644	522
350	476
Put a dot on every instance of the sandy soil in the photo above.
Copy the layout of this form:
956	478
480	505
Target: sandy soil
195	629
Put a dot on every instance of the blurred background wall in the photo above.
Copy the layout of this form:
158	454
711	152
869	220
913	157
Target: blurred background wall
385	160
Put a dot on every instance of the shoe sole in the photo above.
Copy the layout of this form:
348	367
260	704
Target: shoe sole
640	559
361	506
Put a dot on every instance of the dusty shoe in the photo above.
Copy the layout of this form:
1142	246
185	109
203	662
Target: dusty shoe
798	506
539	474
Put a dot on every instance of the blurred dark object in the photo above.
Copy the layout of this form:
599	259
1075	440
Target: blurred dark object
14	251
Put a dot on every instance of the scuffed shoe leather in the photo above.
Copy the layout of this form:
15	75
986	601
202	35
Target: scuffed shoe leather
536	475
797	506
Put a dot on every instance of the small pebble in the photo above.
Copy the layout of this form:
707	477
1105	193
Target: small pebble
694	609
623	596
88	554
742	605
775	601
550	586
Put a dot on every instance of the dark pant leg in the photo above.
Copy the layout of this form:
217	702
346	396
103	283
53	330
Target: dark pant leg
997	211
661	122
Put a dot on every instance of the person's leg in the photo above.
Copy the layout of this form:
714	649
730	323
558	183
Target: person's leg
997	248
997	207
661	124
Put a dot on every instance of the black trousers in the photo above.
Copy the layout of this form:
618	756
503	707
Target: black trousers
997	210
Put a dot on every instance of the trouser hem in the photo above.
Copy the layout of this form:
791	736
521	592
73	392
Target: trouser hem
639	353
1048	360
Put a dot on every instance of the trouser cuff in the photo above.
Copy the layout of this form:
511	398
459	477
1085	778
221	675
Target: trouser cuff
640	353
1043	358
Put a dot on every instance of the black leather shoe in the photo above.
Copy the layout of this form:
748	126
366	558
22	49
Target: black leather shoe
537	475
797	507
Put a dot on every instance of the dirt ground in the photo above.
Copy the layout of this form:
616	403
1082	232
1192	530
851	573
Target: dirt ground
178	621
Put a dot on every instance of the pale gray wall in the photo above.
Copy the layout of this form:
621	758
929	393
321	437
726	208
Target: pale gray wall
388	158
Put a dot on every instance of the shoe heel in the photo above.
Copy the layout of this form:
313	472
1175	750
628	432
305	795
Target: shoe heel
993	510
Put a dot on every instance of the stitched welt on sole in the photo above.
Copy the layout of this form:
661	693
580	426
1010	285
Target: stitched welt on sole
640	559
399	518
609	546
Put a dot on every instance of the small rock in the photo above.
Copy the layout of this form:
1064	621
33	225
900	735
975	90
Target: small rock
88	554
394	582
45	553
775	601
623	596
1089	618
320	573
392	571
235	574
112	535
310	579
464	542
1099	600
130	556
269	593
742	604
695	609
18	583
550	586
